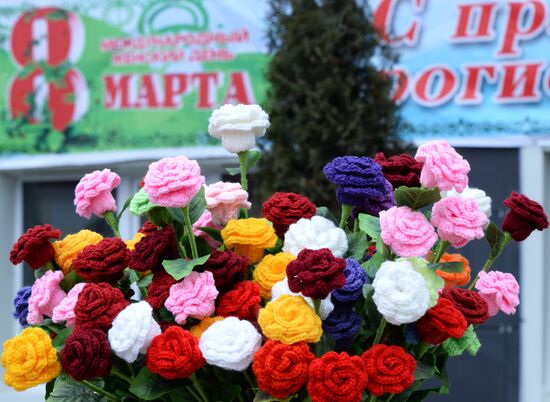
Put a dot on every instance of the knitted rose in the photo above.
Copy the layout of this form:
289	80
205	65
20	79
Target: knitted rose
400	293
472	306
483	201
198	330
289	319
87	355
29	359
192	297
97	306
173	182
159	288
400	170
133	330
374	207
92	194
153	249
390	369
224	200
45	295
238	126
352	290
148	228
342	323
227	267
66	250
174	354
34	246
441	322
271	270
249	237
525	215
102	262
205	221
443	166
280	369
284	209
140	204
453	279
500	290
281	288
314	234
242	302
64	311
408	233
21	305
230	344
315	273
337	378
458	220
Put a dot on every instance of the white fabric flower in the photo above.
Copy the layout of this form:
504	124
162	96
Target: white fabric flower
133	330
400	293
281	288
238	126
314	234
482	199
230	344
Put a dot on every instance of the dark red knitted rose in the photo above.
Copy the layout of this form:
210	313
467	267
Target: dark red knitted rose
153	249
87	355
284	209
227	267
337	378
472	306
281	369
525	215
243	301
390	369
97	306
400	170
174	354
34	246
159	288
147	228
102	262
441	322
316	273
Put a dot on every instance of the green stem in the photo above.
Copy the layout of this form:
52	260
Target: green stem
194	393
390	397
115	371
356	225
109	217
243	156
380	331
317	307
443	246
485	268
189	229
182	250
346	212
49	265
241	399
98	390
372	398
249	379
198	387
424	347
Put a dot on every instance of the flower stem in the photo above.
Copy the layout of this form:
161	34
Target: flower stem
198	387
194	393
109	217
189	229
249	379
372	398
390	397
243	156
98	390
485	268
380	331
115	371
443	246
346	212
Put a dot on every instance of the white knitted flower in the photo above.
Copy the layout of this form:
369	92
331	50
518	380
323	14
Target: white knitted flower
238	126
400	293
230	344
314	234
482	199
281	288
133	330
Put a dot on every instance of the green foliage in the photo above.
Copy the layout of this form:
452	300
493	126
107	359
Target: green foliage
415	197
67	390
181	268
497	240
148	386
251	157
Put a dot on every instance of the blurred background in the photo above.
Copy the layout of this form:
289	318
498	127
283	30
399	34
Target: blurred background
121	83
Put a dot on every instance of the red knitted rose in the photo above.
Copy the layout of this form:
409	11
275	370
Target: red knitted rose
147	228
284	209
153	249
472	306
87	355
316	273
159	288
174	354
441	322
34	246
400	170
281	369
390	369
97	306
227	267
102	262
243	301
337	378
525	215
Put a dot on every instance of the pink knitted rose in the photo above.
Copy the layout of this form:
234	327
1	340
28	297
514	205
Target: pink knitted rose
458	220
64	311
224	200
92	194
443	166
173	182
500	290
408	233
45	296
193	297
205	221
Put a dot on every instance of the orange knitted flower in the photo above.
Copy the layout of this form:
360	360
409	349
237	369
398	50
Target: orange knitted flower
198	330
271	270
455	279
131	244
67	249
249	237
289	319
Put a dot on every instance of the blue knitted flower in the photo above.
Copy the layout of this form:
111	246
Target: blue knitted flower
21	304
374	207
353	288
342	323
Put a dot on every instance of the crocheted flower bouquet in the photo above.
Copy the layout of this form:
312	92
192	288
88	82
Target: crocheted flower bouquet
207	304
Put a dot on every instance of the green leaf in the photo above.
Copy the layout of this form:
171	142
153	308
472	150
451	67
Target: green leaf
59	341
261	396
49	388
423	371
145	281
455	267
149	386
252	157
372	266
213	233
325	213
40	272
367	290
469	342
181	268
416	197
370	225
197	206
497	240
160	216
177	214
358	244
67	390
124	208
433	281
69	281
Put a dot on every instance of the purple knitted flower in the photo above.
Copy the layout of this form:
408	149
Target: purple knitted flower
342	323
21	304
353	289
358	179
374	207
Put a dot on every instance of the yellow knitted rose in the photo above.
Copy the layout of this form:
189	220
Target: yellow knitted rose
249	237
198	330
29	359
289	319
131	244
271	270
67	249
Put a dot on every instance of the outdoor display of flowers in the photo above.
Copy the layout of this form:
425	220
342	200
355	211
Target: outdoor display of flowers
207	304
